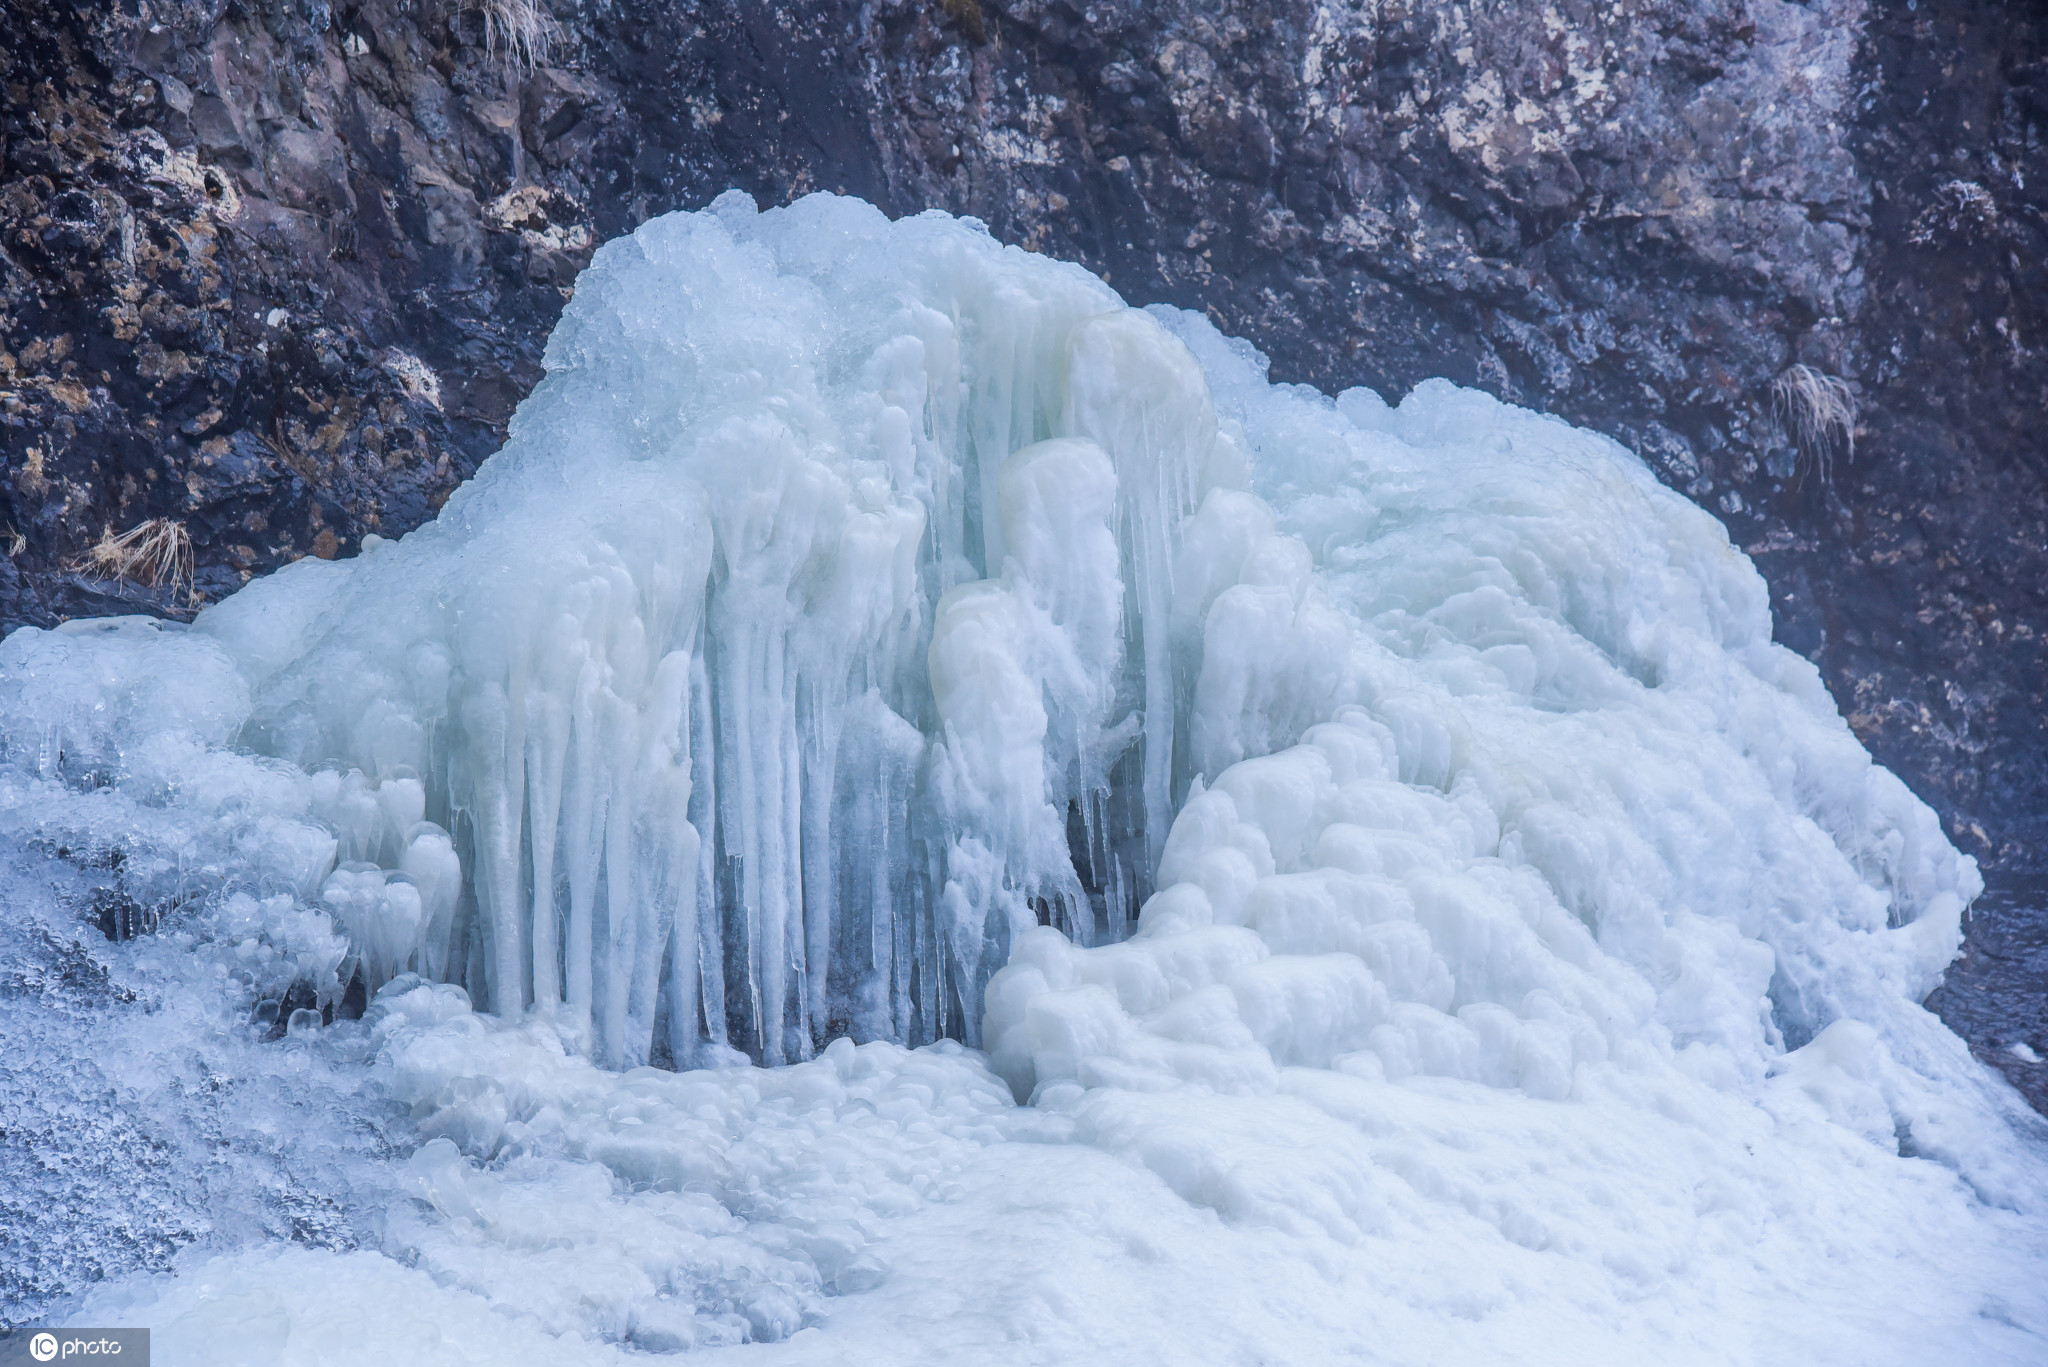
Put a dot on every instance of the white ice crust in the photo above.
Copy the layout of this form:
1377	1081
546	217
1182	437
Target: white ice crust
1423	914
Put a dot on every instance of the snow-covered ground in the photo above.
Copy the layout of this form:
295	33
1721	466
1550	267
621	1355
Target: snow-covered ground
1403	907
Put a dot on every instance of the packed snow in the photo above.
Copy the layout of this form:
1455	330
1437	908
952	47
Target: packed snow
917	813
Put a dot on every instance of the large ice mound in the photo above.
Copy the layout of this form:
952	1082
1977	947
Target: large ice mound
870	630
854	596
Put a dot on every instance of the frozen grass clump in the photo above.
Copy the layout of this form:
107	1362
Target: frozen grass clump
1817	412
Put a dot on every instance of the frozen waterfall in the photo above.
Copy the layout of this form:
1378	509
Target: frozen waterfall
853	598
1384	828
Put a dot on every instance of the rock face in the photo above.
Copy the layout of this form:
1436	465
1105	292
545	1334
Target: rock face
277	271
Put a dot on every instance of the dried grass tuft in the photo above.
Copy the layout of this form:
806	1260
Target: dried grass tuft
1961	208
1818	413
522	31
157	552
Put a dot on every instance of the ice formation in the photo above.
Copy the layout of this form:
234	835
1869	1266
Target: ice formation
1392	830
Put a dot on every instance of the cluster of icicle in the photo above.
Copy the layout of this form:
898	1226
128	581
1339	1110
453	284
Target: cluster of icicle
816	631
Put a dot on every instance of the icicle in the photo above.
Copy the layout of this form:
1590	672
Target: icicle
498	749
547	744
431	863
700	965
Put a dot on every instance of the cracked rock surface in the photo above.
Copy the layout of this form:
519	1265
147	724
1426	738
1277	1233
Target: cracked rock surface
279	270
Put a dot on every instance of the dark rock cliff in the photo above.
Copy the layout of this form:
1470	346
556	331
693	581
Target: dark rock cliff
275	272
